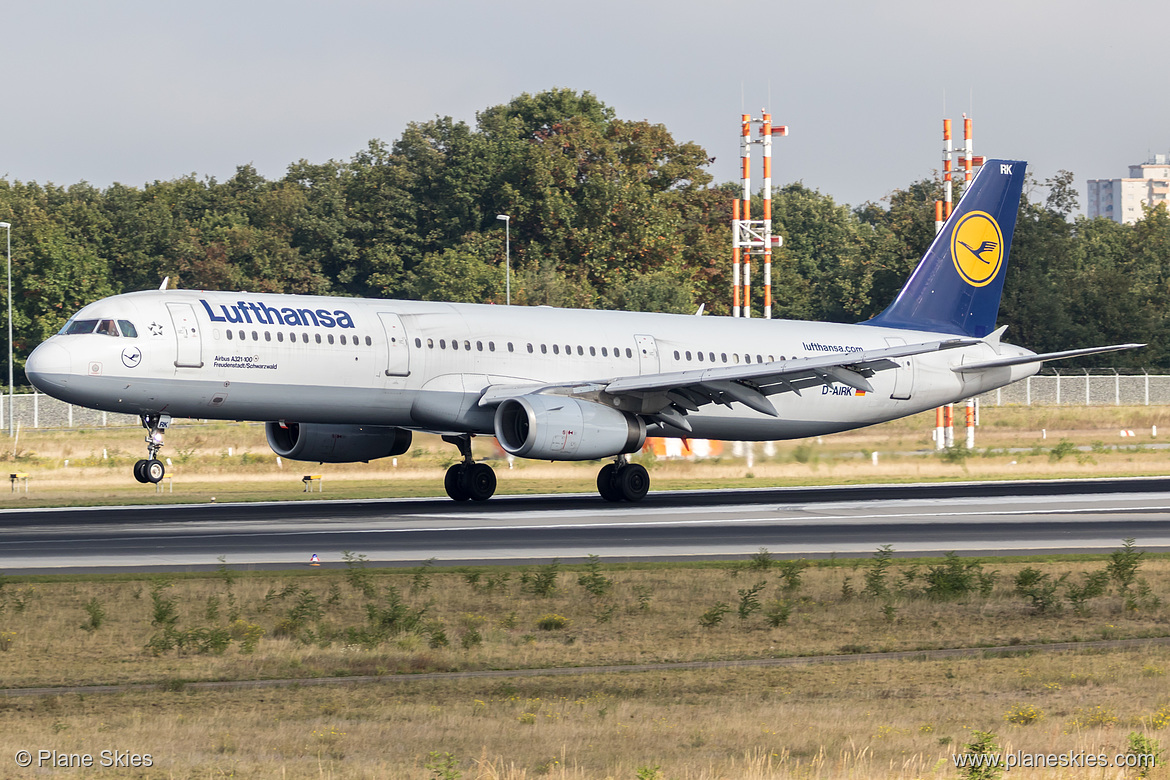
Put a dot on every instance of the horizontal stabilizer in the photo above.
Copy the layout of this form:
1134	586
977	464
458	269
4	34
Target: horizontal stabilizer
1025	359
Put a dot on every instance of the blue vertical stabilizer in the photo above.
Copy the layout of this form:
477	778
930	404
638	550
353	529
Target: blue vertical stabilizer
957	285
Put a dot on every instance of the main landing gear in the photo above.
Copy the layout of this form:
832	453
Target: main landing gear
151	469
468	480
623	481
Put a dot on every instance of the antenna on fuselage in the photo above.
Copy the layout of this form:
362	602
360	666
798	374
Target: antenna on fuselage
163	286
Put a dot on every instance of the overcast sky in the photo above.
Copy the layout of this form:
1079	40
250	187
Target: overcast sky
134	92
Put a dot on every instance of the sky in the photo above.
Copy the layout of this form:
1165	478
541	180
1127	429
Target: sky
134	92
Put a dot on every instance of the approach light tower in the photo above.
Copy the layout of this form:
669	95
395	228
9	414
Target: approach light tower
753	236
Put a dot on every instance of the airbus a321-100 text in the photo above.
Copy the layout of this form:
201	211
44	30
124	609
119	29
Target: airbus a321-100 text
342	380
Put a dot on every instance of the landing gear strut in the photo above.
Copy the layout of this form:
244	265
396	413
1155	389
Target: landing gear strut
468	479
623	481
151	469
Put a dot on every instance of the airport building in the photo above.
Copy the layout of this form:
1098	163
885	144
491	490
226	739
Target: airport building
1122	199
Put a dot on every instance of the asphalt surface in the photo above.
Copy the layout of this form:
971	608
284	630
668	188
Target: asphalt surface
971	518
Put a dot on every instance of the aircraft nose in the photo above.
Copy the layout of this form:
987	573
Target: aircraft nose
47	366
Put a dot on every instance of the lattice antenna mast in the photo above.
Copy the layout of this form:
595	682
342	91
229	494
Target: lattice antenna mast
753	236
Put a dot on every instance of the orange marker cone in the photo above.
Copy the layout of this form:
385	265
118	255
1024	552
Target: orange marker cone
314	561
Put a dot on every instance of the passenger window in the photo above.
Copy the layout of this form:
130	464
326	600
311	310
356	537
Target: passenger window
580	350
243	336
128	329
417	342
368	342
747	358
467	345
759	358
604	352
734	357
568	350
700	357
268	335
676	357
343	341
688	354
629	352
430	343
556	349
229	335
280	336
592	352
543	349
454	344
305	338
317	337
491	346
723	356
510	348
771	359
330	338
442	343
479	346
530	349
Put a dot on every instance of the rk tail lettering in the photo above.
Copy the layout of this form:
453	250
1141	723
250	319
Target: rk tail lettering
1005	170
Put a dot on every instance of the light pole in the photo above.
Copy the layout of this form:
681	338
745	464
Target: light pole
507	255
8	227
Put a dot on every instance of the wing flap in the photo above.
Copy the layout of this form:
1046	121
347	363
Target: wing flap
1025	359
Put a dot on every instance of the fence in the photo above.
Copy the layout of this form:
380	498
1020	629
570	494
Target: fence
35	410
1083	389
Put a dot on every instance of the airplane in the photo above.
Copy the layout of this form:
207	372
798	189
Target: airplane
343	380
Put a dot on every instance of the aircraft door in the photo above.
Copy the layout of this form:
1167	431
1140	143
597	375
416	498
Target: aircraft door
397	350
903	375
647	354
189	346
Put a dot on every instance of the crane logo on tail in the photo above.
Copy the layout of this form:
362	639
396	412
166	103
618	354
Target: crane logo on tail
977	248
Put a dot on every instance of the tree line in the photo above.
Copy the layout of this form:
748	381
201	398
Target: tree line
605	213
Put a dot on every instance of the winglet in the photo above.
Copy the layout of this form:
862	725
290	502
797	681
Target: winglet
163	286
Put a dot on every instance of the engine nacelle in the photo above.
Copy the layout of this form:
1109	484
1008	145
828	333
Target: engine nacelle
336	443
555	427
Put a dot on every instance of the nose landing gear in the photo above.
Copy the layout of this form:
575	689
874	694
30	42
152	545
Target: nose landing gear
468	480
623	481
151	468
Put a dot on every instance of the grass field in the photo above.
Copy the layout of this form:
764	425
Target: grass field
234	463
884	719
897	719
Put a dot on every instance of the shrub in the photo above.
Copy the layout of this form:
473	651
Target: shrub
778	612
1124	564
1147	750
164	612
1028	577
356	574
875	576
791	573
1062	450
552	622
544	583
1093	584
749	600
96	615
1023	714
714	616
982	744
593	581
421	579
951	579
761	560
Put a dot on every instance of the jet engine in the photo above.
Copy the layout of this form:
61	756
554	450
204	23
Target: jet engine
555	427
336	443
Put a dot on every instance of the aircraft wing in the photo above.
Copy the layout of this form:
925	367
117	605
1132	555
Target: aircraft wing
668	397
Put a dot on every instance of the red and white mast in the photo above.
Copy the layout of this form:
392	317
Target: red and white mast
753	236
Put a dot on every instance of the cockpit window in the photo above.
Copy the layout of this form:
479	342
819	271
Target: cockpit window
75	327
103	327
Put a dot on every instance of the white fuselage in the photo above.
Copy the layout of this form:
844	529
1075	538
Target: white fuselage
424	366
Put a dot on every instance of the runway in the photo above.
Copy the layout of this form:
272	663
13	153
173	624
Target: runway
970	518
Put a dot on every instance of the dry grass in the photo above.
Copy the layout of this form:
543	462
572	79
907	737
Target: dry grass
233	462
888	720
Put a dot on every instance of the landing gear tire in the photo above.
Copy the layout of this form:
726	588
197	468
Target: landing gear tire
607	483
456	482
480	481
154	471
140	471
633	481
